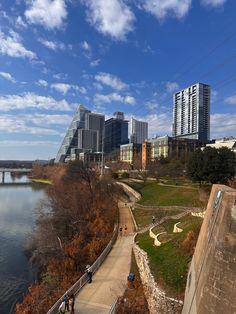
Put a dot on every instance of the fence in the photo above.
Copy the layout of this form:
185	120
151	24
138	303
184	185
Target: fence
82	281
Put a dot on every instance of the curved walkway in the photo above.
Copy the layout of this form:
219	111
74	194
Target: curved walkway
109	282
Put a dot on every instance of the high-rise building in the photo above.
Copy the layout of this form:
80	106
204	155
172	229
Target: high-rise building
84	134
139	131
191	112
116	132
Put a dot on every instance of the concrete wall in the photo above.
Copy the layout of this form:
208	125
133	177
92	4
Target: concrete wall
211	285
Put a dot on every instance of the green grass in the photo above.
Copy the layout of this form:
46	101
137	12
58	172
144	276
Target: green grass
44	181
169	263
143	217
160	195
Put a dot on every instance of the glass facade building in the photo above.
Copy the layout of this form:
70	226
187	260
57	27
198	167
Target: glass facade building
191	113
139	131
116	132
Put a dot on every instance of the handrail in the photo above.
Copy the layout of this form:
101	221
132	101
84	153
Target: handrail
82	281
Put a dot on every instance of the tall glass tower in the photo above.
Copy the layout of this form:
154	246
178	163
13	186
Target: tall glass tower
191	112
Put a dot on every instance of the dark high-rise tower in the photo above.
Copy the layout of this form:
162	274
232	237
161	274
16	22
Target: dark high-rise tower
116	132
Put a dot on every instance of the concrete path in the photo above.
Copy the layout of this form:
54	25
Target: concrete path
109	282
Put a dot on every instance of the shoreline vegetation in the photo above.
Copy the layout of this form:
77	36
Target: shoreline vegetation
75	223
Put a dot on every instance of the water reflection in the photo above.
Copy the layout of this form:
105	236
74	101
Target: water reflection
17	217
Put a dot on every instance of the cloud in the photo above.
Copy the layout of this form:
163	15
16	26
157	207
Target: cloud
231	100
110	80
94	63
101	99
113	17
42	83
222	125
7	76
85	45
172	87
12	46
31	100
64	88
20	23
9	124
10	143
151	105
53	45
163	8
213	3
50	14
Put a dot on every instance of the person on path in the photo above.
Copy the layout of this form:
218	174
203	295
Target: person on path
89	273
121	229
66	300
125	230
62	308
153	219
72	303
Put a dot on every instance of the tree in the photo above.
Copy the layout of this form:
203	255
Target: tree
211	165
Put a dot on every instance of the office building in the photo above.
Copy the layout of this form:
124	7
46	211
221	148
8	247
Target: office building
139	131
116	132
191	113
130	153
84	135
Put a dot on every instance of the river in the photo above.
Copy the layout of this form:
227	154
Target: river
17	219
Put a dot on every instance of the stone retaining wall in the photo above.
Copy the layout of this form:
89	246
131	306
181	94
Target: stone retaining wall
158	302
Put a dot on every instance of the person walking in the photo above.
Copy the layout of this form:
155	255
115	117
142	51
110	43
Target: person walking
66	300
89	273
72	303
125	230
121	229
62	307
153	219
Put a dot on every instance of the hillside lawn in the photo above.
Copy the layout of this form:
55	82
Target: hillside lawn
169	262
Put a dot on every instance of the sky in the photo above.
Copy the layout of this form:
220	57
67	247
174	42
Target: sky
109	55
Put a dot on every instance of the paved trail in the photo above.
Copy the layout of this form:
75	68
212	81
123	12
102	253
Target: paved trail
109	282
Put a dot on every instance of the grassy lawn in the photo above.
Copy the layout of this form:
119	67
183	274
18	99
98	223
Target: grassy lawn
169	262
44	181
160	195
143	217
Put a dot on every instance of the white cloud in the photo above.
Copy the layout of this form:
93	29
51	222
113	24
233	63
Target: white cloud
48	13
213	3
64	88
223	124
53	45
110	80
42	83
9	124
31	100
151	105
231	100
10	143
172	87
85	45
20	23
98	86
163	8
94	63
7	76
12	46
101	99
130	100
113	17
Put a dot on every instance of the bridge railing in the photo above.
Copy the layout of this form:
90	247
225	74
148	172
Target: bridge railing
82	281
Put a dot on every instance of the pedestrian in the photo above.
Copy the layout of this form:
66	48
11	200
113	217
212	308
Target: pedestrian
62	308
153	219
89	273
66	300
72	303
121	229
125	230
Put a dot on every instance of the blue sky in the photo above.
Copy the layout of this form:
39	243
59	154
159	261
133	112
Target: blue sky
109	55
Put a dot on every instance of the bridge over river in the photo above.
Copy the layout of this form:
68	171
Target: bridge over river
12	170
